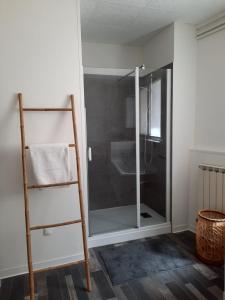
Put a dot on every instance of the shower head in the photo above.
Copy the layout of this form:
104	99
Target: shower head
142	67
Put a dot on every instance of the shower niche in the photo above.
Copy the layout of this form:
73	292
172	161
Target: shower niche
128	139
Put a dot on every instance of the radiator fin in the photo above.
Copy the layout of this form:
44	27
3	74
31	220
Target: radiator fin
211	187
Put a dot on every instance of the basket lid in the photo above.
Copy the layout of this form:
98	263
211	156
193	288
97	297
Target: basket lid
212	215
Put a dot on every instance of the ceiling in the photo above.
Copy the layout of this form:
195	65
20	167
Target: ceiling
135	21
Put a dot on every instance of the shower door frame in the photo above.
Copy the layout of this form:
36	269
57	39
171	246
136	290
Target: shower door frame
137	138
140	231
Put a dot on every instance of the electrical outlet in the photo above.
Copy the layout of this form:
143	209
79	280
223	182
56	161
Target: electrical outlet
47	231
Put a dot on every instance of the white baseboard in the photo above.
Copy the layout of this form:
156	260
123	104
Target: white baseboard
192	228
180	228
184	227
128	235
9	272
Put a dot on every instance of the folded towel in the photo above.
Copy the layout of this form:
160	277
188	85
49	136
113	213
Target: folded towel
50	163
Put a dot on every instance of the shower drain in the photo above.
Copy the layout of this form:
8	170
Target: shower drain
146	215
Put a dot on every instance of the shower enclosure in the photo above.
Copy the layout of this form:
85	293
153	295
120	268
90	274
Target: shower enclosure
128	138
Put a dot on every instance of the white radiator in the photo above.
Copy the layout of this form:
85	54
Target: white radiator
211	187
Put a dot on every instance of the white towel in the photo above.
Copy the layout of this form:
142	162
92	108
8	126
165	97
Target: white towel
50	163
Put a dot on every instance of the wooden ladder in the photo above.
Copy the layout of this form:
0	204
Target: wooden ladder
26	187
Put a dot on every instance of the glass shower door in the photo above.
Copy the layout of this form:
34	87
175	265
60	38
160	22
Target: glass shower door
154	137
111	139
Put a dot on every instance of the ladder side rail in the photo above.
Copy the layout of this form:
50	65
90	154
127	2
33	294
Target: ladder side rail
26	204
85	247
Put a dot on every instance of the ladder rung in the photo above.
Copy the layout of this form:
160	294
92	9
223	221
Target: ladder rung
40	186
47	109
55	225
60	266
70	145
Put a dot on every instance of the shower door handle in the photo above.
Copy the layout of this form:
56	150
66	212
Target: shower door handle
89	154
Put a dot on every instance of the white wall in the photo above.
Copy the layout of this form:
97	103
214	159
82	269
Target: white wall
39	56
210	106
159	51
184	97
209	145
98	55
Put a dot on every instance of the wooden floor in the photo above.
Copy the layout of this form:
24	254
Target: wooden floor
196	281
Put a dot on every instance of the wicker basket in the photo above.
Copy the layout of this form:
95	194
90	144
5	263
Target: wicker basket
210	234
